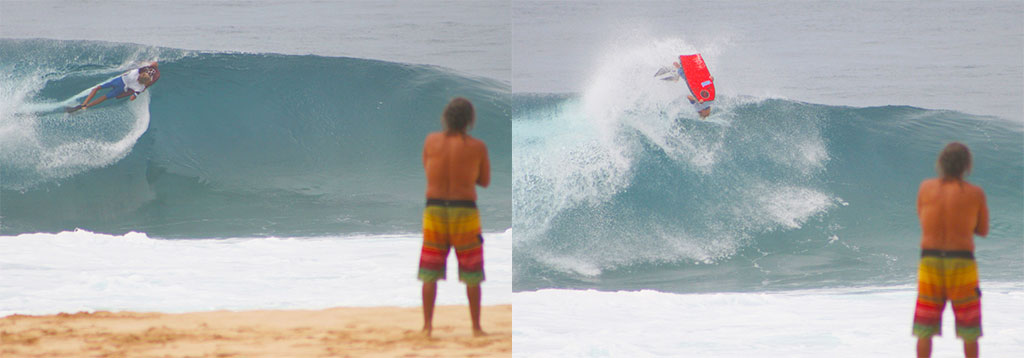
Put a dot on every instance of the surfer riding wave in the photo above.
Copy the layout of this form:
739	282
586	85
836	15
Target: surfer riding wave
131	83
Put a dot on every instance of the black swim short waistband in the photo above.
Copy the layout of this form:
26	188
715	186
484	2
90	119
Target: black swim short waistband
451	203
943	253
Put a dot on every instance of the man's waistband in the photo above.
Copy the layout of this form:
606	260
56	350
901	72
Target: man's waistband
943	253
452	203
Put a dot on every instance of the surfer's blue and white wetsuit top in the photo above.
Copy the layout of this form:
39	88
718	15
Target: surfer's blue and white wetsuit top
131	81
124	83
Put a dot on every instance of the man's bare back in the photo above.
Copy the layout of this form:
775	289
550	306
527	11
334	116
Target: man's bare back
951	212
455	163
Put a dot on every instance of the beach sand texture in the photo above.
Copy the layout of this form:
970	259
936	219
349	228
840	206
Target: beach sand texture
336	332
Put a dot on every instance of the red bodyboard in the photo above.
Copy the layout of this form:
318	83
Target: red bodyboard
698	78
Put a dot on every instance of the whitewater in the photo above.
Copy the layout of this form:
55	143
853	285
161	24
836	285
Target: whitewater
86	271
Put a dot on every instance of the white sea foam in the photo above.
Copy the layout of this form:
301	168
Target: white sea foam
84	271
845	322
791	206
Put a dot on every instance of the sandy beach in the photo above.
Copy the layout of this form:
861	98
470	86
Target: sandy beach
336	332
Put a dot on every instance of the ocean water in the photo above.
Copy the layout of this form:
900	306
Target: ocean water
769	194
784	225
246	144
276	164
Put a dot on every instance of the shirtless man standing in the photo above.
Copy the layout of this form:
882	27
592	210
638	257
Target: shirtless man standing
455	163
951	212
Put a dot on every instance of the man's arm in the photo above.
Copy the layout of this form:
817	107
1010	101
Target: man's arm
920	192
136	94
484	179
982	228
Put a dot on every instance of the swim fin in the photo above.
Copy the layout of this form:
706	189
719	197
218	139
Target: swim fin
667	74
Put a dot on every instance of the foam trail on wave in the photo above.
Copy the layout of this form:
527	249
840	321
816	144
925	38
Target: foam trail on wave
41	146
46	107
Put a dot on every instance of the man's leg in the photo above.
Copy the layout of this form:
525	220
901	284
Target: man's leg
967	306
97	101
429	296
931	301
473	293
971	349
924	347
91	94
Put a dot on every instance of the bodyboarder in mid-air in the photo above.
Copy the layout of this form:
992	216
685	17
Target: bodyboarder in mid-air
703	108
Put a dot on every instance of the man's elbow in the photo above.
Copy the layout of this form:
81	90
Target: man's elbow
483	183
981	232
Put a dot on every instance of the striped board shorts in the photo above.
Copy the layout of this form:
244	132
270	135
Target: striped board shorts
447	224
948	276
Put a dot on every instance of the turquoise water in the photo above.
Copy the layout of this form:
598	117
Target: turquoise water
229	144
766	194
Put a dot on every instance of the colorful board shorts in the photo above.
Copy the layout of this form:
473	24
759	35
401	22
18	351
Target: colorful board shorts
952	276
448	223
